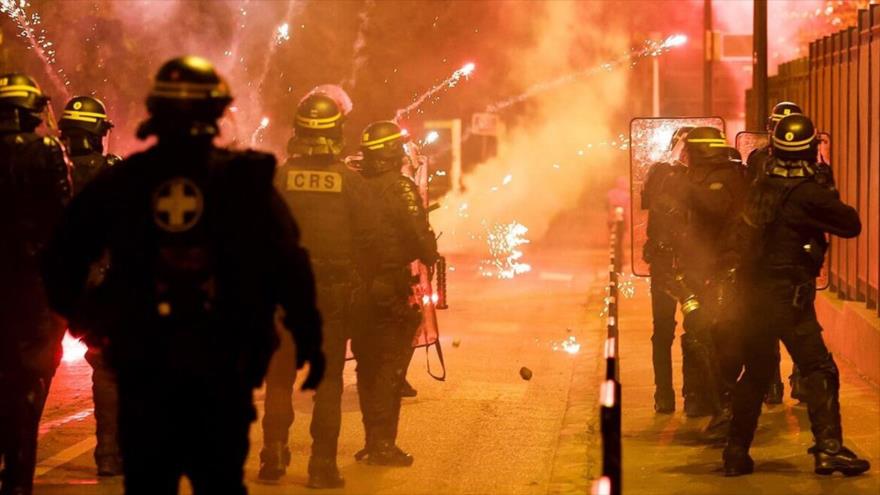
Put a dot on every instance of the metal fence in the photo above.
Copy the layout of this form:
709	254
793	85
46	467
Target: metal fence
838	85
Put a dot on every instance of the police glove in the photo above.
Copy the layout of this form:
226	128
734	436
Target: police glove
317	364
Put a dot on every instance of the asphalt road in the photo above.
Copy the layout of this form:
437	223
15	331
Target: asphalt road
484	430
487	430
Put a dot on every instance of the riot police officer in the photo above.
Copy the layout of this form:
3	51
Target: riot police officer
329	201
666	215
390	322
84	125
705	283
34	187
755	169
787	216
202	250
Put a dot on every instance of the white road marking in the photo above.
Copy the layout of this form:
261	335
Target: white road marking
66	455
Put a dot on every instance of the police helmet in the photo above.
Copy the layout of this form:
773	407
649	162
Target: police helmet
187	98
382	144
779	111
21	92
705	143
317	127
86	114
794	138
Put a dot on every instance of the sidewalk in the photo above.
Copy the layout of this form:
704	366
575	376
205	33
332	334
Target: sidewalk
662	454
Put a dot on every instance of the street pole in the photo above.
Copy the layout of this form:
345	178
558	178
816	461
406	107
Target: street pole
707	59
759	65
655	81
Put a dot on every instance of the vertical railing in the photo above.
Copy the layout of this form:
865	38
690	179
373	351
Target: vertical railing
609	391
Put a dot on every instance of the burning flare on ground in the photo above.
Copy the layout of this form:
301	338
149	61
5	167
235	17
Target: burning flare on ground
73	349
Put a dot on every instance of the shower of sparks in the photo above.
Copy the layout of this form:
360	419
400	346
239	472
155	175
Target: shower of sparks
282	34
29	29
463	73
73	349
571	345
626	285
507	179
503	241
650	48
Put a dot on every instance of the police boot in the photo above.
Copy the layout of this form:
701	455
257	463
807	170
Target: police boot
832	456
664	401
719	426
694	404
323	473
274	459
407	390
387	454
110	465
737	461
369	445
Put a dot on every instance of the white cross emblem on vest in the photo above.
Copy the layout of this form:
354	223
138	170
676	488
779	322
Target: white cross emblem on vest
177	205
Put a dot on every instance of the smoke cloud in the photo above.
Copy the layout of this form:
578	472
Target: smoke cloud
563	145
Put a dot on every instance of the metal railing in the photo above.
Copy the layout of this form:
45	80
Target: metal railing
609	391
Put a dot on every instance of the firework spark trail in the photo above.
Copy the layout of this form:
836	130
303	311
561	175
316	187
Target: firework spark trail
650	48
360	43
448	83
42	46
232	53
279	36
503	241
264	123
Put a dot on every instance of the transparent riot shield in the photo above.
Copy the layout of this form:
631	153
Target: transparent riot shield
650	140
424	293
823	281
748	141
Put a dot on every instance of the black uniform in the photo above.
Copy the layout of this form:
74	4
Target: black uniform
34	187
798	213
202	250
786	218
390	321
715	201
666	215
331	205
705	279
756	164
86	167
